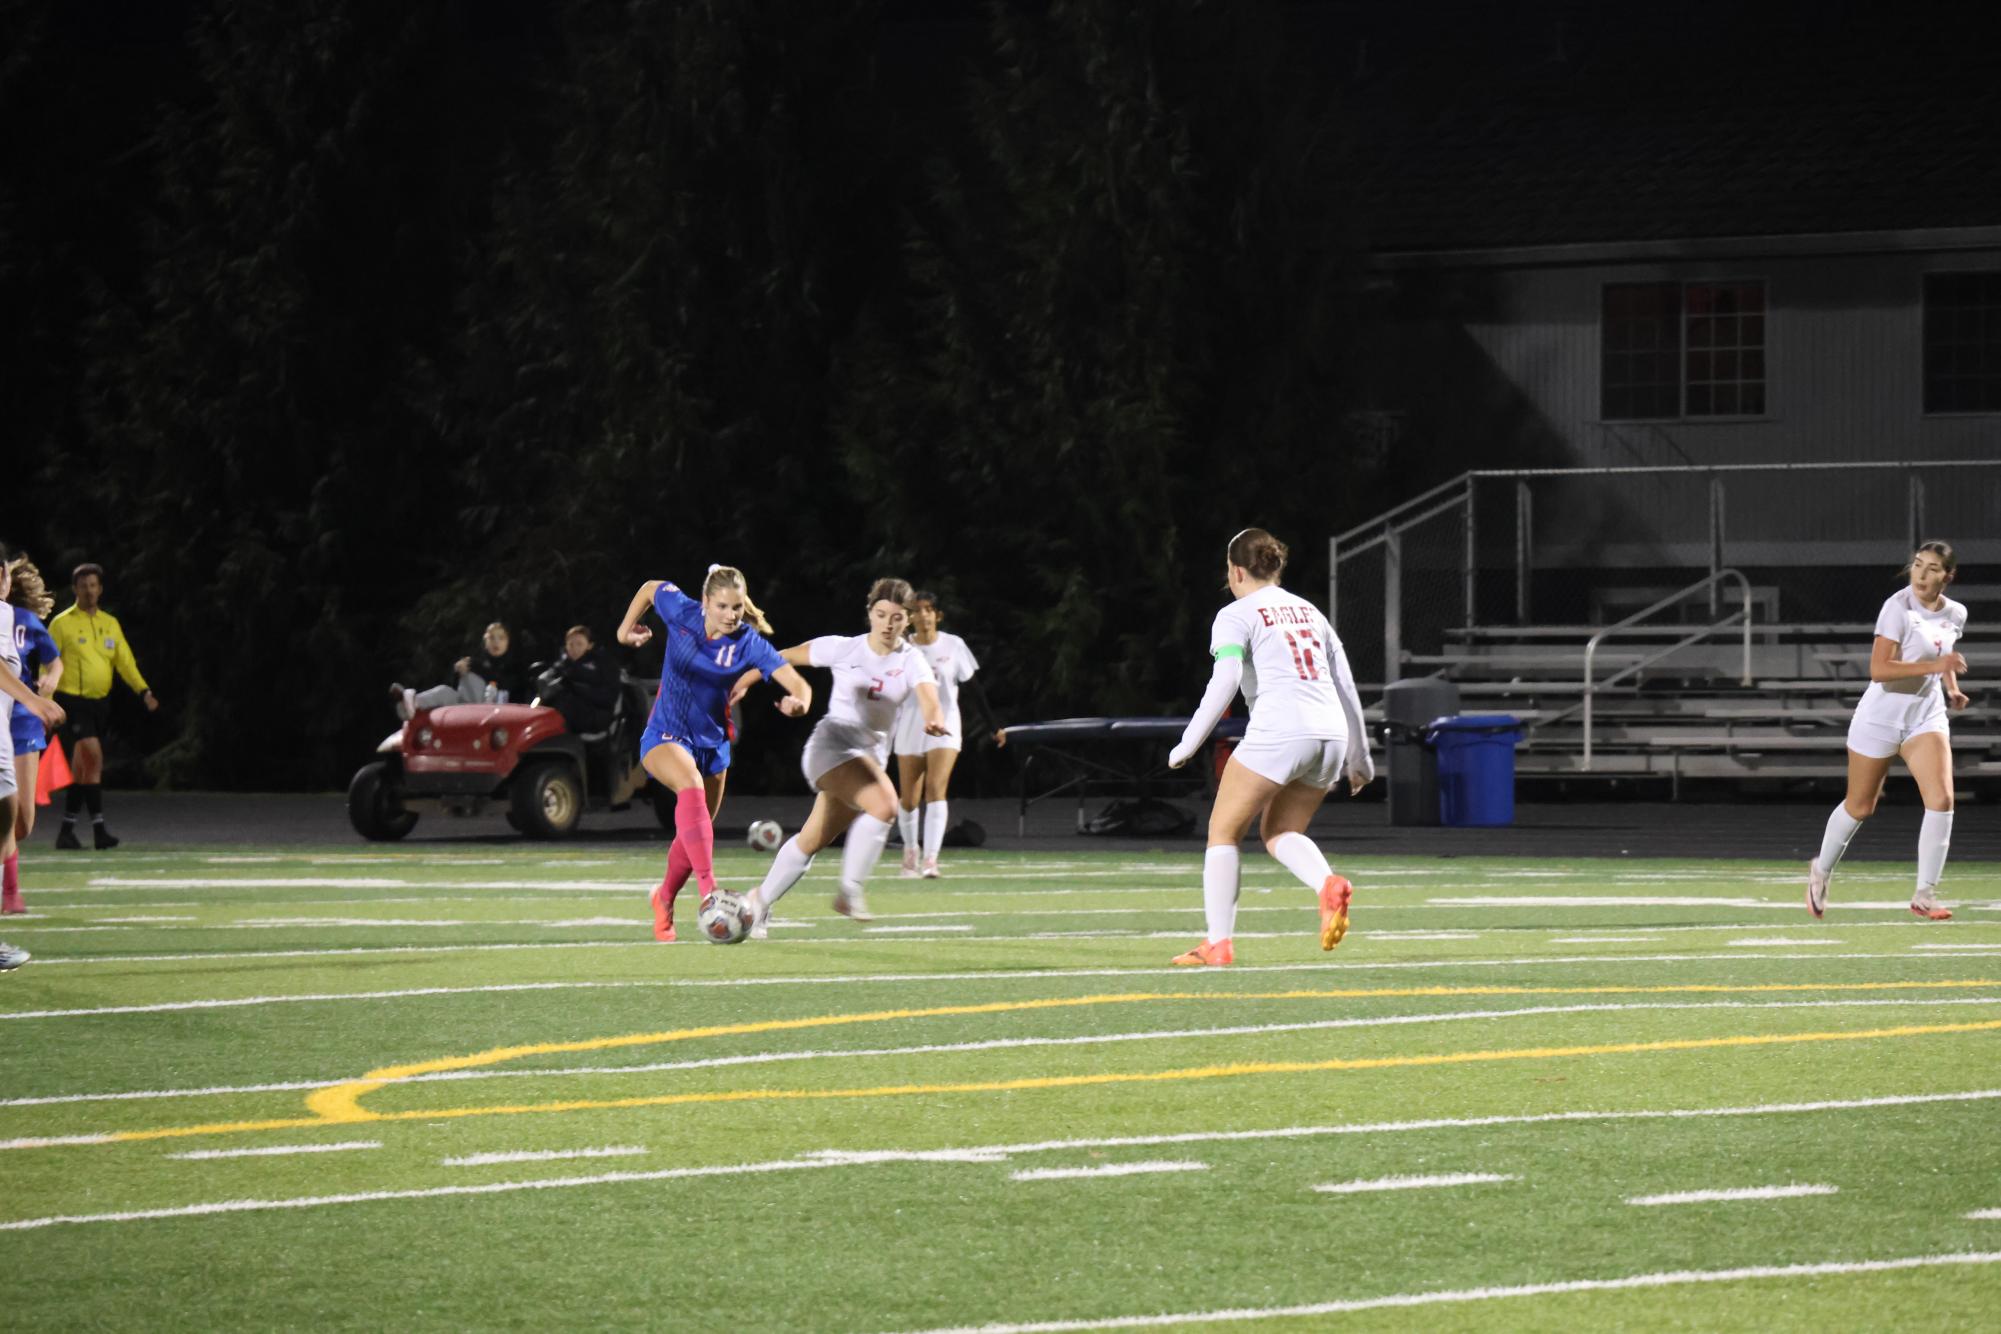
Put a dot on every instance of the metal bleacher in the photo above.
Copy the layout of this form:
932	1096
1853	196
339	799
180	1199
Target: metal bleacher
1573	622
1695	712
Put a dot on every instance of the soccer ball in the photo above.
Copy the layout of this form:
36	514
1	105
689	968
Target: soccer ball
764	835
725	918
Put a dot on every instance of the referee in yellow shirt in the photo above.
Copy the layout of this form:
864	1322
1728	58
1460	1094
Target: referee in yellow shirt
93	647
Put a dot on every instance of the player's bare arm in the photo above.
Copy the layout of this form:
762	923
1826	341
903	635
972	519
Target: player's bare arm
630	631
934	713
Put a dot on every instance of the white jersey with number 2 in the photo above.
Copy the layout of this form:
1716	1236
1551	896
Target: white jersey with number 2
1292	663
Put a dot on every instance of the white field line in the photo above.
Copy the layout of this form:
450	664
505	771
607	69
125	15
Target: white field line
1675	1278
1342	966
239	1002
1604	940
1001	1044
277	1150
1106	1170
1984	1215
891	930
826	1158
544	1155
1738	1193
1770	942
1413	1182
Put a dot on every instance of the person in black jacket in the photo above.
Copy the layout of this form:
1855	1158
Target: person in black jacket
583	684
495	673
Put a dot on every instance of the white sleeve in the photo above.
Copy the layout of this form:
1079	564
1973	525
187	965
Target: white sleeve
1224	678
1229	630
829	650
968	664
920	668
1359	761
1890	622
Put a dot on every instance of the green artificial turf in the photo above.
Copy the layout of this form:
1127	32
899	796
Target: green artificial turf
861	1146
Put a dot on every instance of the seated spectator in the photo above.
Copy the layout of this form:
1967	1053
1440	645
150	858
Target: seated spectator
495	674
583	684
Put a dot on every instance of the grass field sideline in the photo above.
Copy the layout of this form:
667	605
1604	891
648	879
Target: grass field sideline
463	1087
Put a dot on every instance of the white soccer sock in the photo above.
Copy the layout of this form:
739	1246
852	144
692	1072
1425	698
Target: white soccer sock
1934	835
934	829
787	868
1841	827
906	824
865	839
1301	855
1219	890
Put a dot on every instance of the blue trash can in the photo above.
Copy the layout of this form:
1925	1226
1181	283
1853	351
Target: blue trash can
1476	768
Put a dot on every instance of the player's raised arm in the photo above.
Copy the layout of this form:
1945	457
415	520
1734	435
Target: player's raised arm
630	631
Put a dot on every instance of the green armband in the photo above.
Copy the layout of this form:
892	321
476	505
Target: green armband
1229	651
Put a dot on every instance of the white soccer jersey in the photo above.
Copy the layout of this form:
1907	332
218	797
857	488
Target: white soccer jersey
1290	659
868	688
951	662
1922	636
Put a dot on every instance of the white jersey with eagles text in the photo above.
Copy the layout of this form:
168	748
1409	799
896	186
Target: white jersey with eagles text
1922	635
868	687
1290	656
951	662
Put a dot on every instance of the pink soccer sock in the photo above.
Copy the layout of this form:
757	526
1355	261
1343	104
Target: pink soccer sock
678	871
695	836
10	881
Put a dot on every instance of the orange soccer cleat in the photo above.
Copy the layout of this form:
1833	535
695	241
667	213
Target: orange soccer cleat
1213	953
1334	896
663	914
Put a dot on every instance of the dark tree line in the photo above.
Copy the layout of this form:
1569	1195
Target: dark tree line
339	329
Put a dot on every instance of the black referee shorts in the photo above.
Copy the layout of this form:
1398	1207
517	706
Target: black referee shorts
85	718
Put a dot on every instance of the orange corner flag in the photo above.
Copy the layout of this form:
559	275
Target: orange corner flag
53	773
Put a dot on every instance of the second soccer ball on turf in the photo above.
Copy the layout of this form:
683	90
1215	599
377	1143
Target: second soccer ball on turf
765	835
725	918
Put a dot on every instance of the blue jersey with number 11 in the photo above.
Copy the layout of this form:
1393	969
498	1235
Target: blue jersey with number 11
696	672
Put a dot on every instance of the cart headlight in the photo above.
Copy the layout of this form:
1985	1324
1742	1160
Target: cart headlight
499	738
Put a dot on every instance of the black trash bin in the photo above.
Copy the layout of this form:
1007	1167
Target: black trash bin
1408	710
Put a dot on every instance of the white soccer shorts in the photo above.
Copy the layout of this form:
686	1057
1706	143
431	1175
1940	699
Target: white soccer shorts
834	744
1314	761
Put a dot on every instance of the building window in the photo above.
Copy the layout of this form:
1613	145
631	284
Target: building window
1683	350
1963	342
1642	351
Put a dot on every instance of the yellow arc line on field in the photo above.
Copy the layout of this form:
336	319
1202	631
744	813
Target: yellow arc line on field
342	1102
339	1105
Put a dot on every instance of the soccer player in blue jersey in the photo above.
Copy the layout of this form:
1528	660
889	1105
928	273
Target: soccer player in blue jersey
41	668
686	746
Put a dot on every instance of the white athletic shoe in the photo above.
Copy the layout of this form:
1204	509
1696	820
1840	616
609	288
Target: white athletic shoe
909	871
1926	905
12	957
850	903
930	868
1816	888
760	921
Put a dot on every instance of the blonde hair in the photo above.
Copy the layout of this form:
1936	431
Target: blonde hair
1259	553
28	589
728	576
